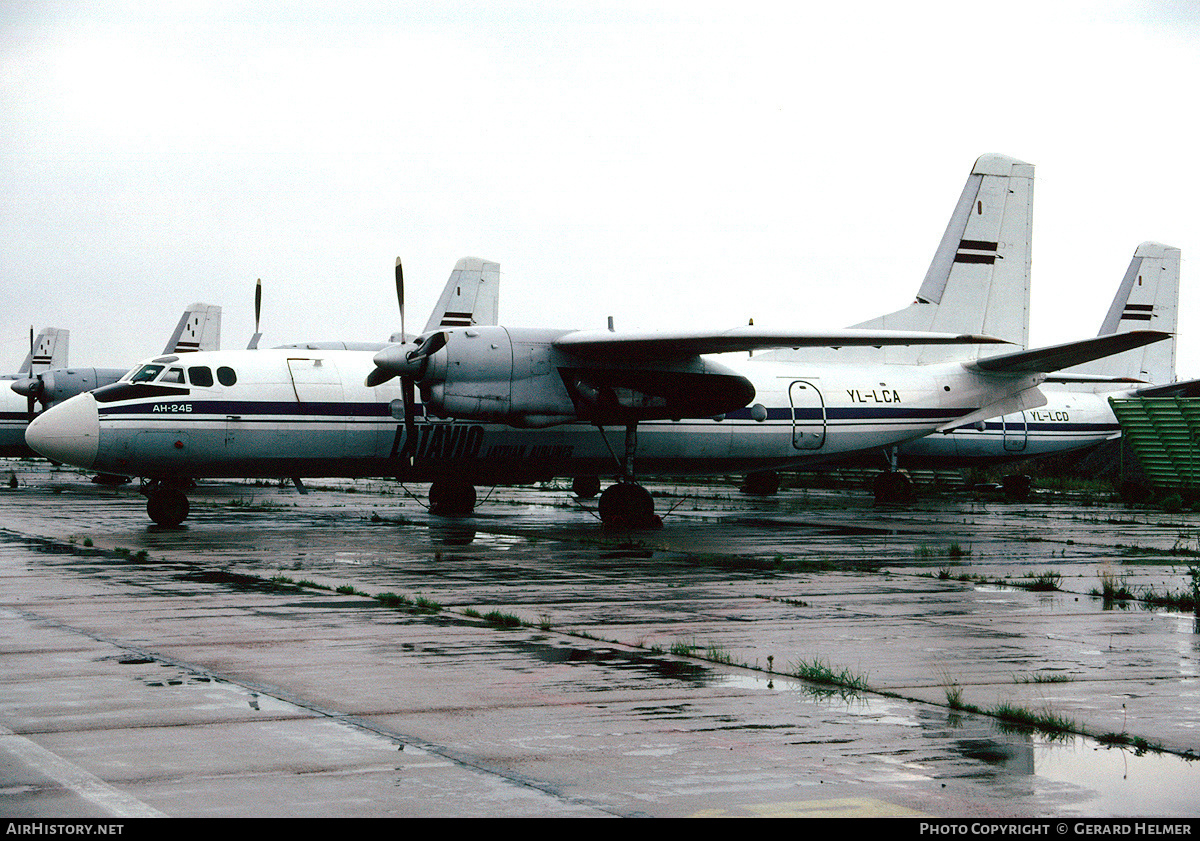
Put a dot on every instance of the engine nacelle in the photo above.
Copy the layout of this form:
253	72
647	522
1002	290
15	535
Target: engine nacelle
518	377
58	384
497	375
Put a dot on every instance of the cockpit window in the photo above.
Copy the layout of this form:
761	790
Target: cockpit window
146	373
174	375
226	375
200	375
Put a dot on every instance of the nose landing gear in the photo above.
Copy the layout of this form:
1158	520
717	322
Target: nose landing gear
166	503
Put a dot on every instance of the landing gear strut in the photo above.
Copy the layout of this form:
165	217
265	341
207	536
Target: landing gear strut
627	504
893	485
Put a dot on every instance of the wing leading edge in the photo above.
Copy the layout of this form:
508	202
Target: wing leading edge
635	345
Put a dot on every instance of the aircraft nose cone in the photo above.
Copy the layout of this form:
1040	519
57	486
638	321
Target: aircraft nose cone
69	432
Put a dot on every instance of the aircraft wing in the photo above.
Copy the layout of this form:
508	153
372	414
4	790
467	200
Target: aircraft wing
1057	357
681	343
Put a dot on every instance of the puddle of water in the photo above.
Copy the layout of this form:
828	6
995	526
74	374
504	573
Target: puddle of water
1121	782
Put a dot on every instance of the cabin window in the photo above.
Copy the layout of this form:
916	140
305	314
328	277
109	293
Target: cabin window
226	375
200	375
146	373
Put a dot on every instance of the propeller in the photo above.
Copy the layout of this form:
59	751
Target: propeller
257	313
407	364
400	298
34	387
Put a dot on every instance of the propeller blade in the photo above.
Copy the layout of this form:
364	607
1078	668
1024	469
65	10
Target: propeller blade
257	313
410	420
378	377
400	298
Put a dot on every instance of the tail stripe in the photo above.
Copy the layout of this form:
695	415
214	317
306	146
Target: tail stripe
967	246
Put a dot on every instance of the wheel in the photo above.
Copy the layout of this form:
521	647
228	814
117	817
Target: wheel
628	505
451	498
585	487
763	483
1018	486
167	506
893	486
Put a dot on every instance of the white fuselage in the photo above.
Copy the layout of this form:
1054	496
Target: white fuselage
291	412
14	418
1069	421
59	384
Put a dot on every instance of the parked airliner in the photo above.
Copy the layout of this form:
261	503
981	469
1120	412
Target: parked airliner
510	405
53	381
49	350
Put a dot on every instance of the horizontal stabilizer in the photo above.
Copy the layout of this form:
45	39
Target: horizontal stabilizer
1057	357
1030	398
1183	388
678	344
1093	379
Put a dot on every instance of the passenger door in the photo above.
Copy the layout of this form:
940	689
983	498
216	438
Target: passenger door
808	416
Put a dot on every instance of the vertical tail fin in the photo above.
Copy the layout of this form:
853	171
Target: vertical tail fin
471	296
979	279
199	329
1147	299
49	350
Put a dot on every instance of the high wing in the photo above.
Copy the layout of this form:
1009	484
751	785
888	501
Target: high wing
633	345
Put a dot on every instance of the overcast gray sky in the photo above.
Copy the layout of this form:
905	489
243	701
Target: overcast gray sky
669	164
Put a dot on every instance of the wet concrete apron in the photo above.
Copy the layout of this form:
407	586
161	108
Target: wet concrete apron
200	671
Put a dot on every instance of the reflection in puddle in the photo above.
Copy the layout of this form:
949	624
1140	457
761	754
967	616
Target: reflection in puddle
1119	781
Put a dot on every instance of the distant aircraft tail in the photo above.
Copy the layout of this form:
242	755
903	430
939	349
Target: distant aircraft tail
979	279
199	329
49	350
471	297
1147	299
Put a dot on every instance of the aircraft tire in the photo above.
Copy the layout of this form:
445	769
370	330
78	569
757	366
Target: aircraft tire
893	486
763	483
167	507
1018	486
451	498
585	487
628	505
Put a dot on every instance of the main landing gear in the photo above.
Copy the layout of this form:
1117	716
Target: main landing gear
627	505
451	498
763	483
166	503
893	485
585	487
